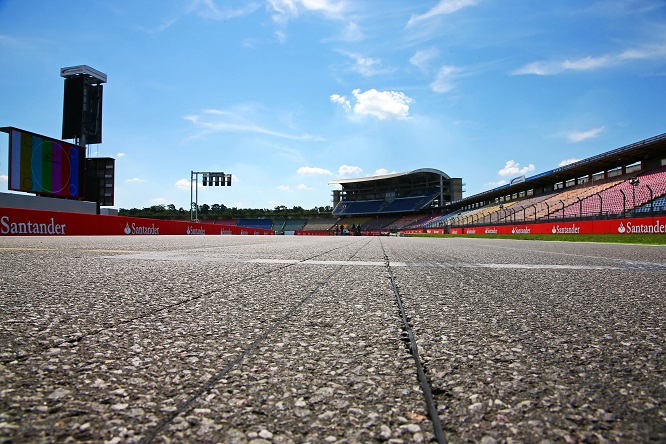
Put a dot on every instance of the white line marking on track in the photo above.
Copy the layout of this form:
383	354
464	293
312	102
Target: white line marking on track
269	261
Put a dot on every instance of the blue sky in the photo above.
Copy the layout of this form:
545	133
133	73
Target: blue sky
288	95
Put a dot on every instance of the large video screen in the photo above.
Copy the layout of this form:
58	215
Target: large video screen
41	165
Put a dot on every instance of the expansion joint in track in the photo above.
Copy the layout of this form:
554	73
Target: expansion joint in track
431	405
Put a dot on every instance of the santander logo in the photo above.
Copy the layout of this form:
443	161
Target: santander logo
572	229
652	227
28	227
138	229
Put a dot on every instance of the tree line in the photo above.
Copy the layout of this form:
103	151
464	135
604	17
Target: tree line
221	211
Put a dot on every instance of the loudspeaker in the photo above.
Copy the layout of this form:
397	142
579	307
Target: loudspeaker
82	110
92	113
72	110
100	175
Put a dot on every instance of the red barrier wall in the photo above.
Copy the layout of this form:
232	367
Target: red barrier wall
647	225
21	222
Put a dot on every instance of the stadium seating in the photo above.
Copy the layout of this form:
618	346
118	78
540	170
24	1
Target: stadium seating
294	224
406	222
619	197
658	206
405	204
320	224
360	207
528	209
555	205
378	206
436	221
379	223
278	225
256	223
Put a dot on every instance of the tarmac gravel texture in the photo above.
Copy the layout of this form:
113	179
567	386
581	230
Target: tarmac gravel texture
536	354
257	339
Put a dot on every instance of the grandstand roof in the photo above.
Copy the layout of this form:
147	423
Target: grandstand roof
419	172
625	155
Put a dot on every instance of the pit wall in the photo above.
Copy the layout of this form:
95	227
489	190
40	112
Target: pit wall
23	222
646	225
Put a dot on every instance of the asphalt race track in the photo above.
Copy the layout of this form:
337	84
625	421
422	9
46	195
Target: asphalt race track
289	339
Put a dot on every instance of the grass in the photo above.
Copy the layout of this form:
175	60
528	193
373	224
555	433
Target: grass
643	239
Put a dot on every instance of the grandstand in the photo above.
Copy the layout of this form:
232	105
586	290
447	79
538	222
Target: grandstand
280	226
624	182
396	193
629	181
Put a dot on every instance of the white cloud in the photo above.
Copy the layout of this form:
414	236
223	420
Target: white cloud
303	187
281	36
513	168
239	121
589	63
383	172
285	10
328	7
444	7
385	105
135	180
351	33
158	200
579	136
208	9
366	66
444	81
284	188
346	171
120	154
341	100
495	184
184	184
4	178
545	68
421	59
568	162
313	171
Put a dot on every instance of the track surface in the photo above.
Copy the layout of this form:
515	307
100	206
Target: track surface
300	339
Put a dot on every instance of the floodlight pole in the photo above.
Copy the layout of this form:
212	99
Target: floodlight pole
651	201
